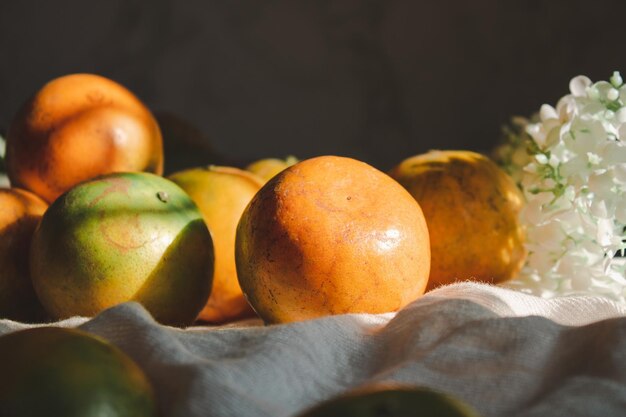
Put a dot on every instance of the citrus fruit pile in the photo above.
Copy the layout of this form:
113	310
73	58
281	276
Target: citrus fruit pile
90	222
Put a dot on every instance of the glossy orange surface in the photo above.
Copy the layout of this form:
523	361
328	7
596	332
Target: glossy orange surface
331	235
77	127
471	207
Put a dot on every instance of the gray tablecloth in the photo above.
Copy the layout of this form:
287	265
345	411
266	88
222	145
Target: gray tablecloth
505	353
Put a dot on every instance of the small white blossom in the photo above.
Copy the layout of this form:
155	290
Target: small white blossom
541	158
573	176
616	79
593	158
553	161
548	112
578	86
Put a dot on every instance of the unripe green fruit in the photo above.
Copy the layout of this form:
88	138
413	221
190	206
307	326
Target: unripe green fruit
384	401
50	371
123	237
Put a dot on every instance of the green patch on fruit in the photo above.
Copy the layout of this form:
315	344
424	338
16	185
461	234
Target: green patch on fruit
113	240
385	401
67	372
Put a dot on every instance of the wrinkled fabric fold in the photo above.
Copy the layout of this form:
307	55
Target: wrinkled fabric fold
504	352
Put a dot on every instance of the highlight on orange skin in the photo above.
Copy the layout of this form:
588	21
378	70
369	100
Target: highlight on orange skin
77	127
331	235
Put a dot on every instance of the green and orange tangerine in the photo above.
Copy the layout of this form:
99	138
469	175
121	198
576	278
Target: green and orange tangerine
123	237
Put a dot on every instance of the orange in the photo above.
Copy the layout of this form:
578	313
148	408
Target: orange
331	235
123	237
75	128
472	208
20	212
392	401
50	371
221	193
269	167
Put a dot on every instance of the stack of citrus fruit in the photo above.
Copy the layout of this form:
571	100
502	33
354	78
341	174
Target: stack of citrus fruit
115	231
291	240
90	223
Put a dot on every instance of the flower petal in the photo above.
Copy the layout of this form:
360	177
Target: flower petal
547	112
578	86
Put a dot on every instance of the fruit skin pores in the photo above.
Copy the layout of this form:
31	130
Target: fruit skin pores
78	127
123	237
221	194
331	235
472	210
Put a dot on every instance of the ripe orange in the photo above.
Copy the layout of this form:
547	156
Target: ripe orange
75	128
221	193
123	237
331	235
269	167
20	212
50	371
472	208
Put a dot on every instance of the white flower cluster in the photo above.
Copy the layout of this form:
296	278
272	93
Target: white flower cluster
575	186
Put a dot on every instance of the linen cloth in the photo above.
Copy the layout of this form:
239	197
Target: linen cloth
503	352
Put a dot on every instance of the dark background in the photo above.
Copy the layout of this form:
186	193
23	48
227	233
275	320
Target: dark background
375	80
